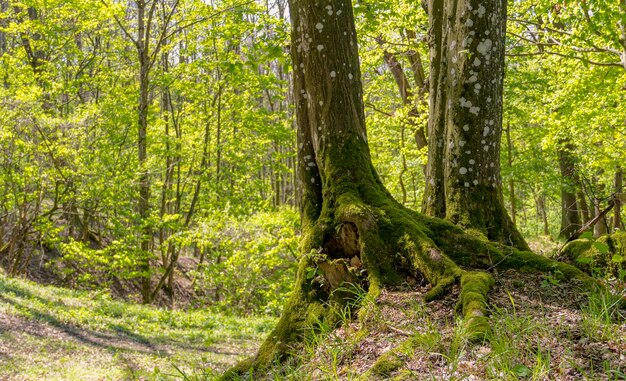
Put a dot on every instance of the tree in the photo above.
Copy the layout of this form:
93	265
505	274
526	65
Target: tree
581	50
463	181
570	216
354	233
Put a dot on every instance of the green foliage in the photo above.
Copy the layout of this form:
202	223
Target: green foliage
249	264
219	139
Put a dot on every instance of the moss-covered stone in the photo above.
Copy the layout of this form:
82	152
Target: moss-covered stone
605	255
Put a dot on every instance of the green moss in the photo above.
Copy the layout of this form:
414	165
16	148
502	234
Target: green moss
440	289
473	303
390	361
384	366
606	255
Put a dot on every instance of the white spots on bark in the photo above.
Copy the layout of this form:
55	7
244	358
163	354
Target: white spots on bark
472	161
477	61
486	131
481	11
484	47
465	103
320	47
469	23
474	110
475	182
466	184
486	148
333	74
462	143
319	26
472	79
350	76
463	170
466	127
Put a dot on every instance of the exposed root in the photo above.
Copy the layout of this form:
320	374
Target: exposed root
376	246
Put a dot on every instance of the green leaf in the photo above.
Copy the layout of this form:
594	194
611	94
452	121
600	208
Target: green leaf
601	247
617	258
310	273
586	235
584	260
522	370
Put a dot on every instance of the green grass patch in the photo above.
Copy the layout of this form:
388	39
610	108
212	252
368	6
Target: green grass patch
58	334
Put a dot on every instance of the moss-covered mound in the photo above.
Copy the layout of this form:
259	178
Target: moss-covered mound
604	256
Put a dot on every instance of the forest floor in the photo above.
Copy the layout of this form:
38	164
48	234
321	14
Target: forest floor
51	333
542	330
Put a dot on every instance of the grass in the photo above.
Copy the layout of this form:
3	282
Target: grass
58	334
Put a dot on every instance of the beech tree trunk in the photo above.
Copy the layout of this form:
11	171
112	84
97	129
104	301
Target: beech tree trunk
463	182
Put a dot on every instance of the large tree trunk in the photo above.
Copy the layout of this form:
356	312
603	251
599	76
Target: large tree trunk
463	182
354	233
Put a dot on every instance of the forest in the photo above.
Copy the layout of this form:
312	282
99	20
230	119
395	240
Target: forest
312	190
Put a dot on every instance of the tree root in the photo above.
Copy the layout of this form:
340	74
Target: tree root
389	243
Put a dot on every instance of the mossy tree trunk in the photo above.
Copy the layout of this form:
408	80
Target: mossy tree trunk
354	233
463	181
570	216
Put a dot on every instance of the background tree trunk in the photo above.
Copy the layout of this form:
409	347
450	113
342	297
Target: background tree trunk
570	216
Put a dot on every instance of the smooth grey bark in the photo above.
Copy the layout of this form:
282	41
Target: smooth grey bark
463	181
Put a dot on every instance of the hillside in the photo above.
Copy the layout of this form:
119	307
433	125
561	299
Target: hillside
50	333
